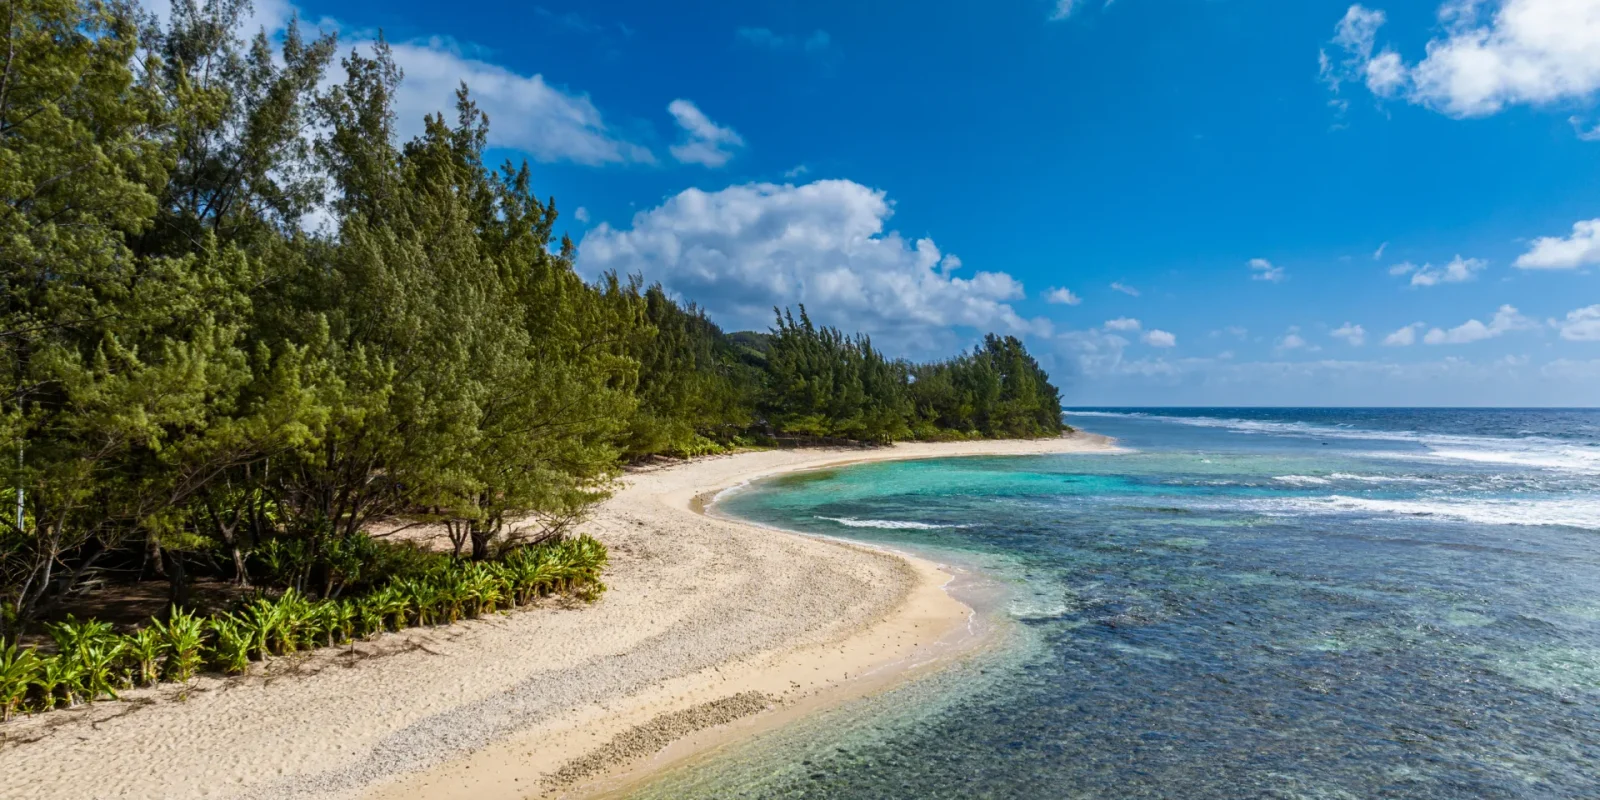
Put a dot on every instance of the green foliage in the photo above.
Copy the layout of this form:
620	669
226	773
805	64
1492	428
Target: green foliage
146	648
18	668
231	642
193	384
182	635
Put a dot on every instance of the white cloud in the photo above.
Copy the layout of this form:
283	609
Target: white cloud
800	169
1291	341
547	122
1354	334
1504	320
746	248
1587	132
527	114
581	214
705	142
1063	9
1379	253
1490	54
1061	296
1124	324
1581	249
1160	338
1582	325
1125	289
817	41
1459	270
1404	337
1355	35
1262	270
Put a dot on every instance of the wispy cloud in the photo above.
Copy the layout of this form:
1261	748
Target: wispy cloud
705	142
1263	270
816	43
1459	270
1125	289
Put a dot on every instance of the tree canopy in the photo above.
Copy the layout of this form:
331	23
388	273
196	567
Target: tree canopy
239	311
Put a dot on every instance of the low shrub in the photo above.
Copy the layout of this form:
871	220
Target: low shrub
92	662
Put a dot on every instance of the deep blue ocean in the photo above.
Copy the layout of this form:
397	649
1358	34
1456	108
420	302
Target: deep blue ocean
1283	603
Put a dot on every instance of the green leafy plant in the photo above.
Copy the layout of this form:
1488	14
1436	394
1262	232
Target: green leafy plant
146	647
230	644
18	666
58	680
184	634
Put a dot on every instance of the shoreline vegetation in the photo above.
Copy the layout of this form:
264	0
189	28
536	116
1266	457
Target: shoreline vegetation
702	615
250	337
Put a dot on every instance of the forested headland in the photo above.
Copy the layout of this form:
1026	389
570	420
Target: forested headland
243	322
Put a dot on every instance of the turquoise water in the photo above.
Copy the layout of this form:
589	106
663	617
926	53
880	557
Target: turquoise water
1251	604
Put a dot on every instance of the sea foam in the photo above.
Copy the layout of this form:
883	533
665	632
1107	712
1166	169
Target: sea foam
888	524
1574	512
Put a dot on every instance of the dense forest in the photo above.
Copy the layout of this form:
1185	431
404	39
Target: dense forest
201	384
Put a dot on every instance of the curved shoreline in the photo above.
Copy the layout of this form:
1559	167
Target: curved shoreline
709	621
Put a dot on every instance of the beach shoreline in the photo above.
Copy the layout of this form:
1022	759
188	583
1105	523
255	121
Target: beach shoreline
712	630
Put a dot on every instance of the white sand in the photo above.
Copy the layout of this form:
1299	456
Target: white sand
706	621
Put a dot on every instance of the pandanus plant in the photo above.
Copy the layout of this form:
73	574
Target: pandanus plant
184	634
59	680
260	618
296	623
423	598
231	642
90	655
145	649
482	590
18	666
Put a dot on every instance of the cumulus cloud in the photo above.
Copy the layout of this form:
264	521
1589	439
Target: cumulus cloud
549	123
1125	289
1489	54
705	142
1581	249
1354	334
581	214
1404	337
1459	270
1061	296
1262	270
744	249
1291	341
1504	320
1160	338
1582	325
1124	324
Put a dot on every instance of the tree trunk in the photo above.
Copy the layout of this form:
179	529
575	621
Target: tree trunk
179	595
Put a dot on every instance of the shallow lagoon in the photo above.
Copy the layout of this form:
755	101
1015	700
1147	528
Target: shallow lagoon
1251	604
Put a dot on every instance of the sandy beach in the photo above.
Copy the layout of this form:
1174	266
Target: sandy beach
707	622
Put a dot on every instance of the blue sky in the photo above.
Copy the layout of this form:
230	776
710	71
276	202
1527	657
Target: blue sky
1246	201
